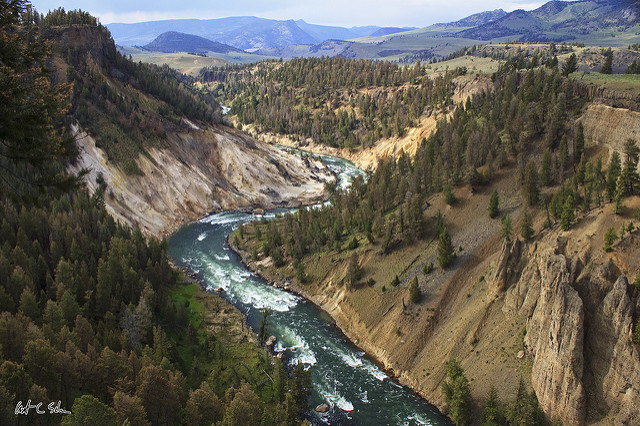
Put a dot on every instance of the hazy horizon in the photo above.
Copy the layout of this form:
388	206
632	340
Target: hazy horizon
402	13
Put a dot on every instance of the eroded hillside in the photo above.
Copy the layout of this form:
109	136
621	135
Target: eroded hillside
367	157
557	311
200	171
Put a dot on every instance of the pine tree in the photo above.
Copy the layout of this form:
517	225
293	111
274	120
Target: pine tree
446	253
301	386
570	66
526	229
613	173
491	414
440	226
457	394
530	183
494	204
578	148
449	196
563	157
545	168
395	282
618	197
354	271
353	244
607	67
87	410
610	237
525	410
568	213
264	323
415	294
506	228
629	174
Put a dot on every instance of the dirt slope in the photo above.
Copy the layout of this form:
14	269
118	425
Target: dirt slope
557	311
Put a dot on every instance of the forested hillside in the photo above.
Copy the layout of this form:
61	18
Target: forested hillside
335	101
525	118
106	97
94	319
155	141
375	250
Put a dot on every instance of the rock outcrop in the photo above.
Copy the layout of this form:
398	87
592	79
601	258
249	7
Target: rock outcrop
506	266
621	124
578	334
613	359
554	340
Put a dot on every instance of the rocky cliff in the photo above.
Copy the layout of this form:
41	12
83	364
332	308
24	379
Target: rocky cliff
578	331
610	127
155	142
197	171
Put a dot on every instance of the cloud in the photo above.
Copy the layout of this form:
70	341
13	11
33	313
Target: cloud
417	13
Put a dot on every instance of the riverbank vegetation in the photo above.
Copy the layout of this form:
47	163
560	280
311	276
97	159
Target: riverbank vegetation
91	313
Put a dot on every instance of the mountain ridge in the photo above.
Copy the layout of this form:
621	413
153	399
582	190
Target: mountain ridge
601	22
231	30
173	41
560	21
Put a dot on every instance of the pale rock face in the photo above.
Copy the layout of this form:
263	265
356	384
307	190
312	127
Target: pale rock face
620	124
615	358
199	171
505	271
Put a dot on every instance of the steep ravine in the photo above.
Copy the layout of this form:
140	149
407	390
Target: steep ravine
200	170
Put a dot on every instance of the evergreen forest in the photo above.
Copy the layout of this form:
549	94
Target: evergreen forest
93	318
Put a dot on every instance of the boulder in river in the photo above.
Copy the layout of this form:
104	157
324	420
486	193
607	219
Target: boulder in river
322	408
270	341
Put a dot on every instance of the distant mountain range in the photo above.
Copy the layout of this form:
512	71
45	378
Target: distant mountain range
594	22
477	19
244	32
562	21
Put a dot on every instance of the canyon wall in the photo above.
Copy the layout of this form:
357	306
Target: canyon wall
198	171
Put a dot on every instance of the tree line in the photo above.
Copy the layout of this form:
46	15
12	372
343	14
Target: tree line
523	410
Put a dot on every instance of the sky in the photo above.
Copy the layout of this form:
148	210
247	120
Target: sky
402	13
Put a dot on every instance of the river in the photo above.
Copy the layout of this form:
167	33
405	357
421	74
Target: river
357	390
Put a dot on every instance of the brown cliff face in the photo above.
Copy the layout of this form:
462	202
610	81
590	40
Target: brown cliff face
610	127
554	338
579	336
613	359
